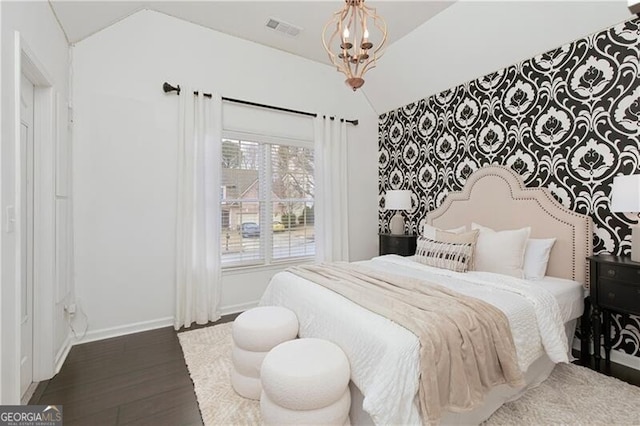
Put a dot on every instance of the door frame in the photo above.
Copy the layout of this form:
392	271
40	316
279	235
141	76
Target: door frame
26	170
26	62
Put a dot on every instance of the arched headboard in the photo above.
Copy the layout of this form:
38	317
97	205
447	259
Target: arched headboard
496	197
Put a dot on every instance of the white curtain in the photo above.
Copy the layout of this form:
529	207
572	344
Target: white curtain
198	272
331	204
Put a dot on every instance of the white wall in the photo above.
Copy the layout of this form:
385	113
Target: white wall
41	33
470	39
125	150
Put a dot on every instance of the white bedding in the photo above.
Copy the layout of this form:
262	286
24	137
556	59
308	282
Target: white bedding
384	356
569	294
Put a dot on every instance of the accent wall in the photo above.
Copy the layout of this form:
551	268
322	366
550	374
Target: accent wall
567	120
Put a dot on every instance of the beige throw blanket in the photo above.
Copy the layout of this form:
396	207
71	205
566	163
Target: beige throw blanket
466	346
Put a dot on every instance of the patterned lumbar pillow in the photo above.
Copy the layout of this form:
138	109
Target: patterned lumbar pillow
448	250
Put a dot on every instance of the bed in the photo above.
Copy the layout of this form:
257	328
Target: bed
384	356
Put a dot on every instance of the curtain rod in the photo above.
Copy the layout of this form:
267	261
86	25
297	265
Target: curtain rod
166	87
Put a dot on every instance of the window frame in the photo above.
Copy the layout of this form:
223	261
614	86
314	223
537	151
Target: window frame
265	252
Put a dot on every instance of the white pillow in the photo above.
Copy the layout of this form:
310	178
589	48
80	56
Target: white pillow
429	231
536	257
501	252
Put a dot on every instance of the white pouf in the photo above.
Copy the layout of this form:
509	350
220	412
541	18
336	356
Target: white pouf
247	363
305	381
248	387
334	414
255	332
261	329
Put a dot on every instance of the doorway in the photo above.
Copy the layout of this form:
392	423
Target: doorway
29	321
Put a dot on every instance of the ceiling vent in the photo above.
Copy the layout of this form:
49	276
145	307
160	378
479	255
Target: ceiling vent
283	27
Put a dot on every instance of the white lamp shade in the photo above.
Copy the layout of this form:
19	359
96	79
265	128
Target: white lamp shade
398	199
625	194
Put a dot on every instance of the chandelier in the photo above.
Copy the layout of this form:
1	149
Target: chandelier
350	45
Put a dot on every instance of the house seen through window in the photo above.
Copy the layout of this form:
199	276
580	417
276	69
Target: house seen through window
267	202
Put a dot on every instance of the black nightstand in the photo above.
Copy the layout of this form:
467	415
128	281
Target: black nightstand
614	287
403	245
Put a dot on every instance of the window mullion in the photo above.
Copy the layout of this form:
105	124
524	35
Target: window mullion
266	210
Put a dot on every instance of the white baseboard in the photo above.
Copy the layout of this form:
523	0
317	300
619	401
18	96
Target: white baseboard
625	359
61	356
107	333
618	357
241	307
28	394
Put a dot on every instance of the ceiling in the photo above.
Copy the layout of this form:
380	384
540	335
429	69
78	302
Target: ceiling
246	19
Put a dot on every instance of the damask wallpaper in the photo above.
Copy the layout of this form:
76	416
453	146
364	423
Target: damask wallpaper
568	120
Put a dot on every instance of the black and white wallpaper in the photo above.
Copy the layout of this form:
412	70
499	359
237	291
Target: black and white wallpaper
568	120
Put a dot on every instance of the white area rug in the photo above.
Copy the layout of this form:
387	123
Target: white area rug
572	395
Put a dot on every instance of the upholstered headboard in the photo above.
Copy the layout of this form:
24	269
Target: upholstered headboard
496	197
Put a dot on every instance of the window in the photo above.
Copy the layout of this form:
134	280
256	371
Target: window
267	202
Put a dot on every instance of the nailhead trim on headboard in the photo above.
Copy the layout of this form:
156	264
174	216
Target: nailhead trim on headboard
580	224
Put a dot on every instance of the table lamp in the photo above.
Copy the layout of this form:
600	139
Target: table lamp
625	198
397	199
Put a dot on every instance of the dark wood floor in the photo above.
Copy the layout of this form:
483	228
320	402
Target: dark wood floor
627	374
141	379
138	379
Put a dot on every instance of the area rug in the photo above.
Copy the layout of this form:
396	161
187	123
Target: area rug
572	395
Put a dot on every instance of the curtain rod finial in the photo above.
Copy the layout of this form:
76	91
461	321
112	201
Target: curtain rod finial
169	88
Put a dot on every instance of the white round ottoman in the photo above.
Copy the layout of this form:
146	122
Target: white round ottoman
255	332
305	381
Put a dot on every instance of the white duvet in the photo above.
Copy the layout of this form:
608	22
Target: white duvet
384	356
